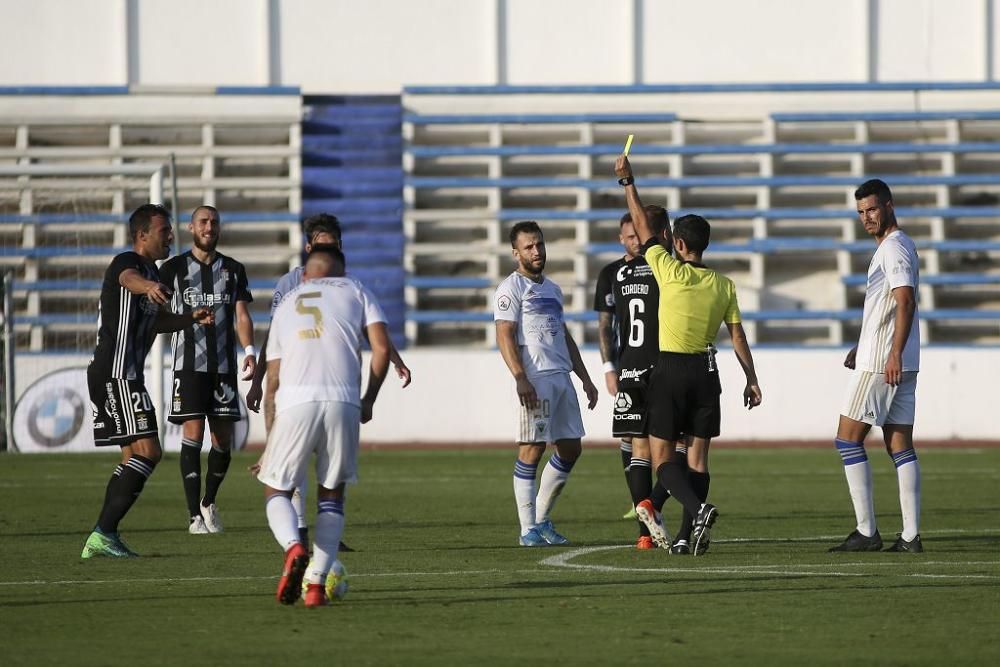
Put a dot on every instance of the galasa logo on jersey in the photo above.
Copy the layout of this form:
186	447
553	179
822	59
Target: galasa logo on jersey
503	303
195	298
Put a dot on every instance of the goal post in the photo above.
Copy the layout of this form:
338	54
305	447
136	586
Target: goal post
67	185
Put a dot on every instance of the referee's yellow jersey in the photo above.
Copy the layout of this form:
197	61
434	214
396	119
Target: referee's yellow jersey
694	301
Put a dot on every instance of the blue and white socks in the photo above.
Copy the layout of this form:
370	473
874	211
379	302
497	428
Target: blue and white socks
908	476
524	493
554	478
329	529
859	481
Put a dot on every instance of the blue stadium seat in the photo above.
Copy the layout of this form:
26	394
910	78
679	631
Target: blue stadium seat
538	118
699	181
707	149
883	116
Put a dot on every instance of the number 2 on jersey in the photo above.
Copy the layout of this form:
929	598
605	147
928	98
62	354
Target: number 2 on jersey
637	328
300	307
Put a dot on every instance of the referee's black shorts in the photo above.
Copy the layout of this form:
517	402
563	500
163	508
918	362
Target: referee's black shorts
684	397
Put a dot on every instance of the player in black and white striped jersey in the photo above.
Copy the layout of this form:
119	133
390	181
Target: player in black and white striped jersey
205	366
130	315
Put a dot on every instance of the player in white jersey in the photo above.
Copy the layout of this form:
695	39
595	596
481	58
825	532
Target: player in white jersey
540	353
882	388
319	229
313	404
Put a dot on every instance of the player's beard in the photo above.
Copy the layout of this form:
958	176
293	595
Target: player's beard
204	246
528	268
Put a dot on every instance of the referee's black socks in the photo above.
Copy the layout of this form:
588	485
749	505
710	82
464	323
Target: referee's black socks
674	478
700	482
123	492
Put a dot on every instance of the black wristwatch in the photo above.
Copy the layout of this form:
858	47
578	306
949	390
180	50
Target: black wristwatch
628	180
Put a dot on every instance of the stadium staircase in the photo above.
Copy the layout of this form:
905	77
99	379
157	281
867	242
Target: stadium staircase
352	168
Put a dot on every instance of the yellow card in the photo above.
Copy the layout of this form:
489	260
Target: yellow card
628	144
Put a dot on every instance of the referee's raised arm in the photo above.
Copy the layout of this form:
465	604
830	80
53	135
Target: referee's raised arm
623	170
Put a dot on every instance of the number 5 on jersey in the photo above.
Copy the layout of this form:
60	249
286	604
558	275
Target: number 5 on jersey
300	307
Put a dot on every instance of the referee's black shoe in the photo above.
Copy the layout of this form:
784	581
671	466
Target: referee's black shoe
681	547
700	534
914	546
858	542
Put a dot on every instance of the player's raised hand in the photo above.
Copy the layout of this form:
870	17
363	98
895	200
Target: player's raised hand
203	315
249	367
851	357
158	293
623	169
526	393
752	396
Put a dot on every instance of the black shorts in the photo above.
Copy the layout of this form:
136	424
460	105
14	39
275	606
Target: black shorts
198	395
684	397
629	415
122	410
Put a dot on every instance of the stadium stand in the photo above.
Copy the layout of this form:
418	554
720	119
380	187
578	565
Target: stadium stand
773	166
352	167
427	184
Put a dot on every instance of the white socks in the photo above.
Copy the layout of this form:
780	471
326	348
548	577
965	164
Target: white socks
908	476
554	478
282	520
524	494
299	503
326	540
859	481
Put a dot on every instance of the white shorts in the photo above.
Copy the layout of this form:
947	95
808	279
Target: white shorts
331	429
557	414
870	400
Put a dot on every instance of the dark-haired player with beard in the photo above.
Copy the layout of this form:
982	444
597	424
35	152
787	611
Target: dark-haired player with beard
540	353
130	314
205	366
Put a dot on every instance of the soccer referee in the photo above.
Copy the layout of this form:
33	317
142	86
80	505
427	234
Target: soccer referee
684	389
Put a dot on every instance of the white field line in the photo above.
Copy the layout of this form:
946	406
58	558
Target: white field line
562	560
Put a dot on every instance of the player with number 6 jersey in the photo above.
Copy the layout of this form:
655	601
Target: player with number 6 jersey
636	298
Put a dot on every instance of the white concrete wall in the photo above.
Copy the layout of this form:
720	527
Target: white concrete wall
200	42
467	397
378	46
54	42
780	40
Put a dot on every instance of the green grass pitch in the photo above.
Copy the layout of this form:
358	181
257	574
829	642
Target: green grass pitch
438	579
